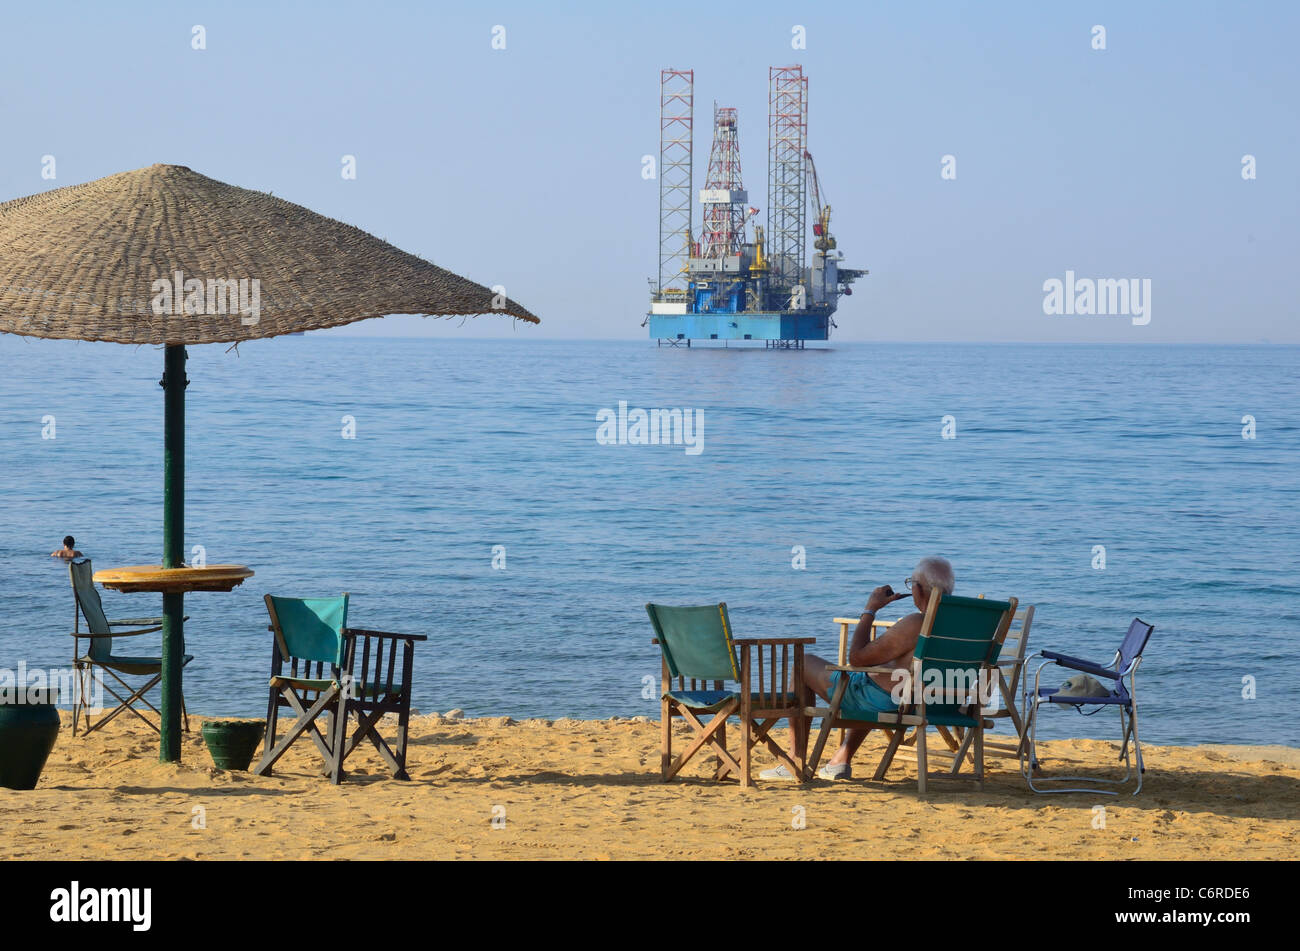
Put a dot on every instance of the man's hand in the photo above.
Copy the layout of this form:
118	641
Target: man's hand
882	596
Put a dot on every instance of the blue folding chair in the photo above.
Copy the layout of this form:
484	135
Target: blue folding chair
1122	695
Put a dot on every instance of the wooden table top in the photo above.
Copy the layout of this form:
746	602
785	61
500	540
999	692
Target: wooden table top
171	580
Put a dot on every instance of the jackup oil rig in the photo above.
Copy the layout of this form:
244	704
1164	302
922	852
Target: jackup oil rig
718	284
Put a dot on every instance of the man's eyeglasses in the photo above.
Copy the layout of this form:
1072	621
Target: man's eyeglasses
908	584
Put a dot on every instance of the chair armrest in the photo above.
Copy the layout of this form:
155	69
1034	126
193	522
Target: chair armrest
363	632
140	620
763	641
846	622
864	670
855	620
143	630
1085	666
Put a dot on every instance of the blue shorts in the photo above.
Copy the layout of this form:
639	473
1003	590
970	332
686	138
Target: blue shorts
863	694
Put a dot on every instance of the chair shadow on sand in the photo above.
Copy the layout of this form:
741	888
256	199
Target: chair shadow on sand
1227	790
1005	790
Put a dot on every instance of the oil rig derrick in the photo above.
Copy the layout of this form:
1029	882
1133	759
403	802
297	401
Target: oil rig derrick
720	285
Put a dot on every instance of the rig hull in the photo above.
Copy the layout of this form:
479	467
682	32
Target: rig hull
810	324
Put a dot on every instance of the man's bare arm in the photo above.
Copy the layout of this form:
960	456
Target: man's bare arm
898	641
862	633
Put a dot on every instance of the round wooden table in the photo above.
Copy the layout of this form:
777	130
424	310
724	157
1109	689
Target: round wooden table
173	583
172	580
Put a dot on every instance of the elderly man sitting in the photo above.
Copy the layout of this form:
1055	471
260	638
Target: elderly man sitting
870	691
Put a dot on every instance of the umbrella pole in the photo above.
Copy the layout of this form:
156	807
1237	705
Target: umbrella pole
173	633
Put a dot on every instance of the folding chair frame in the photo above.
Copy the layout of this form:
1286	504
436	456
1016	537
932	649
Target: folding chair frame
1128	724
84	667
382	688
762	702
1009	669
85	673
910	714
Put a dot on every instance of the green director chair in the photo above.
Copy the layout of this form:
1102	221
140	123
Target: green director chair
314	631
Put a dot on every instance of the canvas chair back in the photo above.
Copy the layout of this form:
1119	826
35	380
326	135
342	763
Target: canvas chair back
696	641
959	637
1135	642
310	629
92	608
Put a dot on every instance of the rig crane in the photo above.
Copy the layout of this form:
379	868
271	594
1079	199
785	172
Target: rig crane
822	226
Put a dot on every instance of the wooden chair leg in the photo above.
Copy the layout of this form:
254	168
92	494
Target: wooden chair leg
305	724
746	705
665	739
922	765
340	725
263	768
959	756
1010	704
837	697
746	744
953	742
720	768
705	735
895	741
803	728
403	722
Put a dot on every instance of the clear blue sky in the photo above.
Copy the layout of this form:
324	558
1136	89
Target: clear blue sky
522	166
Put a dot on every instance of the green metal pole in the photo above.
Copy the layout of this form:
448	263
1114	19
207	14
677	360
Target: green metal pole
173	632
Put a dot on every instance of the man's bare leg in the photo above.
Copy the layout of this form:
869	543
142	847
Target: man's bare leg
852	740
817	679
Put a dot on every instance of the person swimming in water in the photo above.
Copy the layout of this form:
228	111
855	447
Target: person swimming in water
68	551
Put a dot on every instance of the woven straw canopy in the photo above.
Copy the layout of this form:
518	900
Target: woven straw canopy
164	255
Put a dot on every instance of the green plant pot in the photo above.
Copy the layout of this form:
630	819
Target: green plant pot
233	742
27	733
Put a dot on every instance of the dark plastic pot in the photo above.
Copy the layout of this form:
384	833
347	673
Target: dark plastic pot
27	734
233	742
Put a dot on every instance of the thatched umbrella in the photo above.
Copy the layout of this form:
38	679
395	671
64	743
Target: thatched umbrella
164	255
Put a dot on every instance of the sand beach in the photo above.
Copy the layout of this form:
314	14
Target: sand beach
590	789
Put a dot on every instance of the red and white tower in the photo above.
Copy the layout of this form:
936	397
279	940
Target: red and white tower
724	197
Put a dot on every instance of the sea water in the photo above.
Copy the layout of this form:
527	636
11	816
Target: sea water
459	489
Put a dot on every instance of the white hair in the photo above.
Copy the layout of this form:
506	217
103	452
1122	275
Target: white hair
934	572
